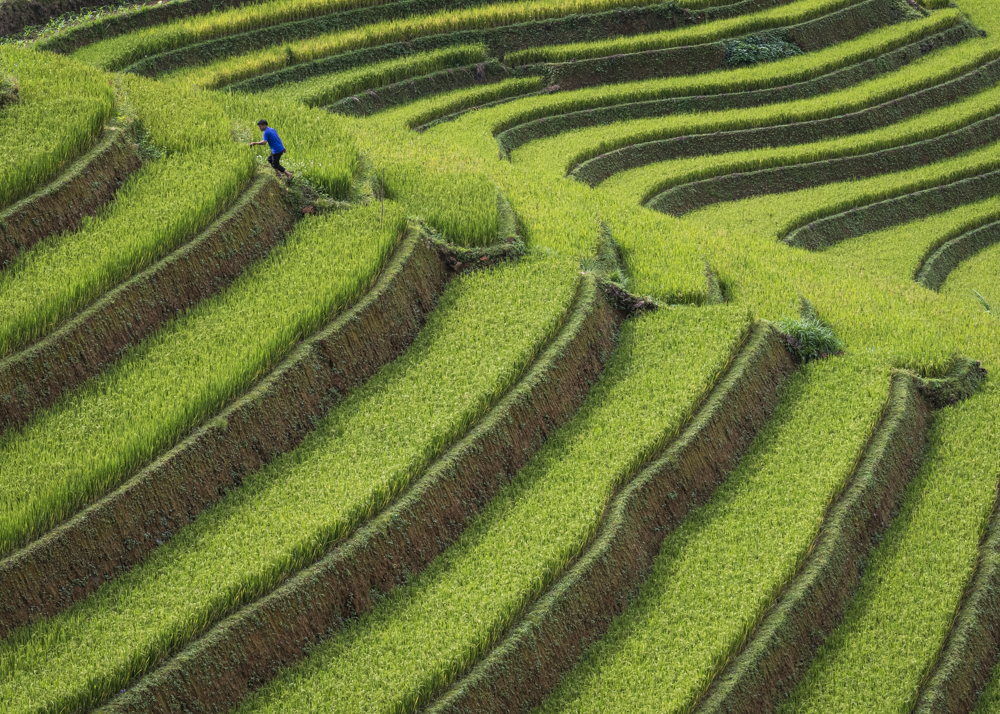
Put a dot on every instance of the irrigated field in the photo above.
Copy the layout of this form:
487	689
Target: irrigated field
601	356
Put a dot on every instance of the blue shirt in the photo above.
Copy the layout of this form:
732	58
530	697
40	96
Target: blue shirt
271	137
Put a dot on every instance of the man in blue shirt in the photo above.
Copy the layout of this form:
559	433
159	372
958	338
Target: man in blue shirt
277	148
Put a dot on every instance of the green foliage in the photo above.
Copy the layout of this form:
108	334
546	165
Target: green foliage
717	574
608	262
453	612
68	20
321	146
380	438
180	117
97	436
9	90
119	52
916	578
755	49
462	206
982	301
796	69
418	114
809	339
586	144
176	116
61	111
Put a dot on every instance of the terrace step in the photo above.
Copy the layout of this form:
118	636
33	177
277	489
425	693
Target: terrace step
135	18
500	40
855	222
685	198
518	135
87	185
599	169
38	376
809	36
525	666
389	96
220	669
121	529
780	650
966	662
935	269
580	27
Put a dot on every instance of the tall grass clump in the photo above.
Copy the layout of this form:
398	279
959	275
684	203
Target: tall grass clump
95	437
376	442
809	338
9	90
61	110
429	632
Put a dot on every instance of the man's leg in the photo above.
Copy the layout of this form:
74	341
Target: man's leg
277	164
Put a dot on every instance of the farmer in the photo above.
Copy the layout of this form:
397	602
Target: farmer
277	148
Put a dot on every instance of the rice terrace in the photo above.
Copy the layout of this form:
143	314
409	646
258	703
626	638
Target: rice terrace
500	356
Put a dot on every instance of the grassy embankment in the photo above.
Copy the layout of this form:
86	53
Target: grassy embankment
283	517
61	110
431	631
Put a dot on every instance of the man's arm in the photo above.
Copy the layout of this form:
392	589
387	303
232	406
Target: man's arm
257	143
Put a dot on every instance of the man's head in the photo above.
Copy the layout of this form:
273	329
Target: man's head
262	124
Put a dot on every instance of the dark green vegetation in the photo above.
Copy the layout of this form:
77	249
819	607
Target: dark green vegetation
602	355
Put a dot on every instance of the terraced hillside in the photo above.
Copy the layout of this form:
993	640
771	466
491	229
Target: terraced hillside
601	355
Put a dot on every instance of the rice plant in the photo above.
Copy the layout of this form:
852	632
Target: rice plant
160	207
379	439
227	71
61	110
781	16
96	437
982	301
415	644
718	573
326	89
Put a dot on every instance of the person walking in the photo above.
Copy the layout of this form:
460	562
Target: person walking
277	148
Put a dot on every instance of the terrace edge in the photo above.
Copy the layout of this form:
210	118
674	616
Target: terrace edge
576	611
248	649
37	376
811	606
122	528
89	183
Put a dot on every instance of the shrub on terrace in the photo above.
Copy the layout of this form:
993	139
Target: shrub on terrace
754	49
809	339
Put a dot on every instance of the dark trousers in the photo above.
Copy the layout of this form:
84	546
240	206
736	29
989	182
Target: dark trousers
275	161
